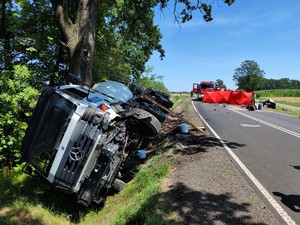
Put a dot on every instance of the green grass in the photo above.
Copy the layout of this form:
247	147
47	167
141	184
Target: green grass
28	200
31	200
283	96
21	201
295	101
289	103
285	111
142	197
140	202
278	93
177	98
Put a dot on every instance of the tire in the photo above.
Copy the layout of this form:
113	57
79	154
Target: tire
155	111
148	121
118	185
160	97
154	92
164	101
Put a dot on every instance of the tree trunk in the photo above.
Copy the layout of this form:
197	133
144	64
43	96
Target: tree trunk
79	36
6	37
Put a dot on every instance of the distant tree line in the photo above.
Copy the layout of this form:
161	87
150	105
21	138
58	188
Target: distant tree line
250	77
283	83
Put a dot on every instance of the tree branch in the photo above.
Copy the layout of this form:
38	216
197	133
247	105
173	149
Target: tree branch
110	2
61	15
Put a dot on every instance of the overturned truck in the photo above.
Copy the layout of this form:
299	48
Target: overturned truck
81	140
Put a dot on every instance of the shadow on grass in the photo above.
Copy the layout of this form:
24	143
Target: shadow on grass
35	191
192	142
18	216
193	207
17	197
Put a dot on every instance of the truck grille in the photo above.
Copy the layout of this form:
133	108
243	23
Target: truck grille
75	158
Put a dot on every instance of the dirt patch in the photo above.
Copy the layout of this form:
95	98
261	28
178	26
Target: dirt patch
204	186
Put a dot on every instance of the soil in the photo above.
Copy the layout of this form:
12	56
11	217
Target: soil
205	185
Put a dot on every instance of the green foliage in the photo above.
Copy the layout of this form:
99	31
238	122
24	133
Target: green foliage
279	93
34	40
221	82
109	61
151	80
127	37
248	76
283	83
17	99
188	7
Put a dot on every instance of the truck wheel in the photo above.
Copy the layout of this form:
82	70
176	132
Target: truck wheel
160	97
155	110
118	185
164	101
149	122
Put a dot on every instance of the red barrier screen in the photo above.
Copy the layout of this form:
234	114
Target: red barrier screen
229	97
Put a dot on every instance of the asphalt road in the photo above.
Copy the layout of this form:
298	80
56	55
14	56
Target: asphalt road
268	145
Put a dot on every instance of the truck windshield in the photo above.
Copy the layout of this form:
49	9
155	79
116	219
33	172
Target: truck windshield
53	119
206	86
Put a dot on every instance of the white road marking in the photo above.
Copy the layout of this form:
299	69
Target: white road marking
249	125
268	124
259	186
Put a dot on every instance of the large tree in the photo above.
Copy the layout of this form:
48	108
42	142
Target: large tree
122	46
30	35
221	83
78	19
121	34
248	76
6	20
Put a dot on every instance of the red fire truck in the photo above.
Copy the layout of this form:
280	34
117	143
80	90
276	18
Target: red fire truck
200	89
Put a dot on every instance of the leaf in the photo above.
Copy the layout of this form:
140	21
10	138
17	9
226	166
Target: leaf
21	2
229	2
31	49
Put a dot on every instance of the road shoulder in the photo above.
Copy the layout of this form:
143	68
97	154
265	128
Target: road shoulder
205	186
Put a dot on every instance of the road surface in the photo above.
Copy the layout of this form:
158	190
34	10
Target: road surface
268	145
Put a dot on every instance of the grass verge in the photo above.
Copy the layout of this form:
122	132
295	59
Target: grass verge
27	200
285	111
139	202
178	98
292	101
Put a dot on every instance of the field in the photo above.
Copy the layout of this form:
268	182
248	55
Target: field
294	101
279	93
283	96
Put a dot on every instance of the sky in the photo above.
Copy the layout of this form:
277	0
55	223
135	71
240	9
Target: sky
267	32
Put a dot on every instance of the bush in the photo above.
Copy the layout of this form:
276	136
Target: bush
17	99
